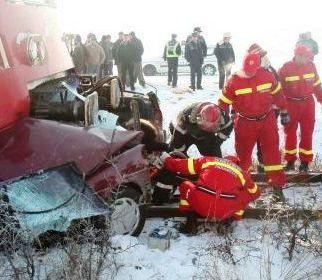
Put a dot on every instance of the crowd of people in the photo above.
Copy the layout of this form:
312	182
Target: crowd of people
97	58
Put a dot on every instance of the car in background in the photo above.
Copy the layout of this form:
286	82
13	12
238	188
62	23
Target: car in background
158	66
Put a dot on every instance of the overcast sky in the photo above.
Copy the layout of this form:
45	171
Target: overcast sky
274	24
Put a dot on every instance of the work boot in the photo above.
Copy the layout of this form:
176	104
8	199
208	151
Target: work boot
289	166
192	87
304	167
169	83
225	227
200	87
190	227
278	195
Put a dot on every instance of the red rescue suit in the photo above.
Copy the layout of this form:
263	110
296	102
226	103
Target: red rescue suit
222	190
299	83
253	100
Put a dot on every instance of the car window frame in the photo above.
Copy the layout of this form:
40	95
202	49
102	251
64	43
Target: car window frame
46	3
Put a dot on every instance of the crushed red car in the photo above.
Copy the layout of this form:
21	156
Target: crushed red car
47	117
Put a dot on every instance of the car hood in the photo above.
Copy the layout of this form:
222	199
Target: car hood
31	145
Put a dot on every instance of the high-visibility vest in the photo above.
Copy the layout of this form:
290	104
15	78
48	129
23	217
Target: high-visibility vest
172	49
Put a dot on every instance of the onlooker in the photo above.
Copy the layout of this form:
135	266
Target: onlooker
201	40
138	72
107	66
225	57
306	40
171	53
115	51
194	55
95	55
78	55
127	57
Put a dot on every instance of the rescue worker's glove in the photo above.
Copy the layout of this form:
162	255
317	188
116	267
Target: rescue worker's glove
159	161
285	118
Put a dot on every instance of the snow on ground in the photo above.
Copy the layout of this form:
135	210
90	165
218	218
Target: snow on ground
256	250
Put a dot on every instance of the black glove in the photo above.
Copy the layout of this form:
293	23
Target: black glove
285	118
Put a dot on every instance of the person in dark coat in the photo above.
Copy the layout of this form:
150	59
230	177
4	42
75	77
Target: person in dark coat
127	56
115	51
78	55
203	124
139	49
225	57
171	54
107	65
194	55
197	31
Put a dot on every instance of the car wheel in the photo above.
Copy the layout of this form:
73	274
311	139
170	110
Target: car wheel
149	70
209	70
127	214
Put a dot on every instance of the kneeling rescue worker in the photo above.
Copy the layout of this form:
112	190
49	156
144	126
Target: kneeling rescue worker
222	190
203	124
253	91
300	81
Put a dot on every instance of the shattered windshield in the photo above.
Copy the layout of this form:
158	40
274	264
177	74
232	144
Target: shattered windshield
50	200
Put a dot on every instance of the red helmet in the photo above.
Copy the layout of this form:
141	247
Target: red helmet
251	63
303	50
209	117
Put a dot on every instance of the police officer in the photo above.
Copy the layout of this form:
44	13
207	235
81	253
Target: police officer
171	53
203	124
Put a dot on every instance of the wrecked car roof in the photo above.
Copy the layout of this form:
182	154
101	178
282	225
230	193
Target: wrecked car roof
33	144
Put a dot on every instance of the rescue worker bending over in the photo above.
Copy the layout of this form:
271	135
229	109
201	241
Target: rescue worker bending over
203	124
222	190
300	81
252	92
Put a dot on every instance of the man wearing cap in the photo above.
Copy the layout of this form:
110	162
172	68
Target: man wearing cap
171	53
300	81
225	58
194	55
203	124
252	92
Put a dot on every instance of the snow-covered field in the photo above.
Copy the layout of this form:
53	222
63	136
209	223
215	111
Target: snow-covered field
255	249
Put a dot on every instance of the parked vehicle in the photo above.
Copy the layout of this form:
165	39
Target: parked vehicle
158	66
47	115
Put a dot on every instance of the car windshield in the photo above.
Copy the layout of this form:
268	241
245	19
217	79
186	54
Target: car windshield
50	200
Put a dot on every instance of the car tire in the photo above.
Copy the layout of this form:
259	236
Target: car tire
149	70
209	70
127	214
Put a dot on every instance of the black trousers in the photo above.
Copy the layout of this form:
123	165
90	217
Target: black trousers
195	69
127	68
207	146
224	72
173	71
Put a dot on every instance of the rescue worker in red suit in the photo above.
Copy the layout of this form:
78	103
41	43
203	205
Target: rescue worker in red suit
265	63
252	92
222	190
300	81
